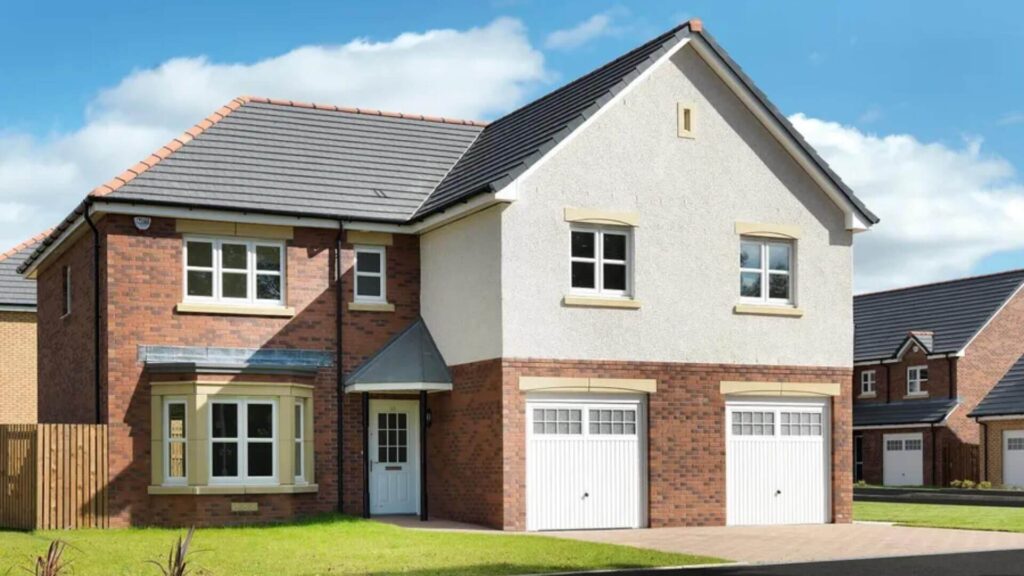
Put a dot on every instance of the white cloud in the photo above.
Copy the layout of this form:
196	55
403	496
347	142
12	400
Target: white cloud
474	74
592	28
1011	118
942	208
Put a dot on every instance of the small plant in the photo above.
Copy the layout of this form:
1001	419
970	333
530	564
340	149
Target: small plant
177	560
53	563
861	483
968	484
984	485
957	484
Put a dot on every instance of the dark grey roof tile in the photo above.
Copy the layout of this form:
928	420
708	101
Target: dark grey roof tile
922	412
1007	396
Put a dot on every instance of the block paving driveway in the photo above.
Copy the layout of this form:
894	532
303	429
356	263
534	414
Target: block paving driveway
792	544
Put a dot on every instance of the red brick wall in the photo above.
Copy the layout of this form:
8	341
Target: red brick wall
145	285
67	390
686	434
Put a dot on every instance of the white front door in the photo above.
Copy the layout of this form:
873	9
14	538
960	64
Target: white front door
777	461
1013	458
903	459
394	457
584	462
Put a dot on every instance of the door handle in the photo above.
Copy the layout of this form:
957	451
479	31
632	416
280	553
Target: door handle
778	492
586	495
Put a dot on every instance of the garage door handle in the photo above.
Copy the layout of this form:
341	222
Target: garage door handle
778	492
586	494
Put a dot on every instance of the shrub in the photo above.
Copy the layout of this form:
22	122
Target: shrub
984	485
968	484
957	484
53	563
861	483
177	559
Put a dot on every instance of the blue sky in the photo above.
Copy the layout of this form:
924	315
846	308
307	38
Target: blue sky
946	75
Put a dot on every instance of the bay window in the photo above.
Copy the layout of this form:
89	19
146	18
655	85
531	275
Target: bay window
600	259
243	441
234	271
300	437
766	271
175	441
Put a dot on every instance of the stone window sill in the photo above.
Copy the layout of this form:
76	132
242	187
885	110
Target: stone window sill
765	310
916	395
595	302
230	310
371	306
867	395
235	490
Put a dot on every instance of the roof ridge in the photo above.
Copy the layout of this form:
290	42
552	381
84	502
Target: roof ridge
367	111
941	282
25	244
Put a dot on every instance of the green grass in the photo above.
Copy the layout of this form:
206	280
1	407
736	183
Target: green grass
329	545
942	516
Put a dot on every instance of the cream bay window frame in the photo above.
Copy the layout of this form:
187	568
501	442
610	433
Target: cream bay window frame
217	270
199	398
300	441
242	441
172	439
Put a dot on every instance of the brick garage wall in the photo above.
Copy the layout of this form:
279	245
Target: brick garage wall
991	453
686	434
66	389
18	367
874	453
464	447
145	285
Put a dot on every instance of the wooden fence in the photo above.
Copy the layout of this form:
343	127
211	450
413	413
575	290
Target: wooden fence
53	476
960	462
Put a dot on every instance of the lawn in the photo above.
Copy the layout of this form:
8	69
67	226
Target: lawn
329	545
942	515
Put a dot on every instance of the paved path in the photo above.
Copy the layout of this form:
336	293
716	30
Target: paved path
788	544
970	564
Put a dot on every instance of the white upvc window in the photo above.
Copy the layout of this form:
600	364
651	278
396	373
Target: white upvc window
371	274
234	271
300	427
867	382
601	261
766	271
243	442
175	442
917	376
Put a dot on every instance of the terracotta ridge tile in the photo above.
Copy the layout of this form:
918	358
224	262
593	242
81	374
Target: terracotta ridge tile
21	246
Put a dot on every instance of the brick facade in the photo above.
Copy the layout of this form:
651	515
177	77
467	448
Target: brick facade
486	457
138	302
969	378
17	367
991	454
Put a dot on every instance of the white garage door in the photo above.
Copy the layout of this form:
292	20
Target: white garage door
903	459
584	466
1013	457
777	462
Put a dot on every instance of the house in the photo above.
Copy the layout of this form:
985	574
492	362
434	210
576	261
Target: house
925	356
617	306
1000	415
18	336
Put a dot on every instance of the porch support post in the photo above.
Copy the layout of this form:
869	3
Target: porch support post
366	455
423	455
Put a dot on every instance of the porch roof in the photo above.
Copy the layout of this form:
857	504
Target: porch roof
174	359
908	412
410	361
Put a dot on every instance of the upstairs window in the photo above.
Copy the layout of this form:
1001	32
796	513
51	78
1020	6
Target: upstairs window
232	271
601	262
371	274
867	382
917	377
766	271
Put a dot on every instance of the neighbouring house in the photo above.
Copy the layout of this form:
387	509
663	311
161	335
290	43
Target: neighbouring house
18	336
627	303
925	356
1001	417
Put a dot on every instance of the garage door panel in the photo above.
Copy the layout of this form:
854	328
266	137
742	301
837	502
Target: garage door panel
903	459
555	484
613	483
1013	458
777	462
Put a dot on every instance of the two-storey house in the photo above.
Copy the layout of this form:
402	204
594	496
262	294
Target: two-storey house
925	356
18	336
625	304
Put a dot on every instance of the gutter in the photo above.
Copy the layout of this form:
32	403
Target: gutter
96	309
339	372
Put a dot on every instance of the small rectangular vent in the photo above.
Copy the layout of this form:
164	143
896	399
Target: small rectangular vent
686	120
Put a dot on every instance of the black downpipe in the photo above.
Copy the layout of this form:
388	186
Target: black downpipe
935	457
366	454
96	311
340	406
423	456
984	443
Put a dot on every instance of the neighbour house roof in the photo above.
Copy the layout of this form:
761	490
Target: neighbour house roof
943	316
410	360
16	291
908	412
283	157
1006	397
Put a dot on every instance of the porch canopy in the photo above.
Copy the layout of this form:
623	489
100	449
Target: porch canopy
409	362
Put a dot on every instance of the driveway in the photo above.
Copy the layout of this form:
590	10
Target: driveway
788	544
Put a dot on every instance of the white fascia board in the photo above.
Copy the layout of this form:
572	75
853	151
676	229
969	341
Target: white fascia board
30	272
898	426
854	221
1000	418
399	387
12	308
458	212
511	190
867	363
211	214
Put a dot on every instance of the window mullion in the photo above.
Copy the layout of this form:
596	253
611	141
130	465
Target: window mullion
599	261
